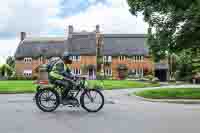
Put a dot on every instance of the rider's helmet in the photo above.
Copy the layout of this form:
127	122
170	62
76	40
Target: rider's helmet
66	57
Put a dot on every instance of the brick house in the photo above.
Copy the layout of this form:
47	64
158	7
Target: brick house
122	53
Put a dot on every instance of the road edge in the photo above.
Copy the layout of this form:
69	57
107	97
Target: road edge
177	101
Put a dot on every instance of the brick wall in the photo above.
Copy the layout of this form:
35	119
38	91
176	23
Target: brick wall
88	60
131	64
20	66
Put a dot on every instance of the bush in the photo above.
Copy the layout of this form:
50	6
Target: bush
155	80
149	77
99	76
20	78
35	77
107	77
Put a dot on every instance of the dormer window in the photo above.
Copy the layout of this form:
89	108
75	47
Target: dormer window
138	58
76	58
121	58
107	59
27	60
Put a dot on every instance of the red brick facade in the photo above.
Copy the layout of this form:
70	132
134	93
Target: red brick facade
144	65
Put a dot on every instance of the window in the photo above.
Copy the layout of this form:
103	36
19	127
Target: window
76	71
76	58
122	58
27	60
107	59
108	72
134	58
27	73
138	58
142	58
139	72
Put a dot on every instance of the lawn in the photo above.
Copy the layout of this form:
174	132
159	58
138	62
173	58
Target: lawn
120	84
27	86
171	93
18	86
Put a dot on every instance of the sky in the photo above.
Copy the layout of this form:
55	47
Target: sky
52	17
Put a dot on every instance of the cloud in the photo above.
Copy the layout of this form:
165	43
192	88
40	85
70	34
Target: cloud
72	7
113	18
41	17
8	47
26	15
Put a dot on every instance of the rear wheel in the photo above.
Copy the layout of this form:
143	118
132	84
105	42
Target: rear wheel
92	100
47	100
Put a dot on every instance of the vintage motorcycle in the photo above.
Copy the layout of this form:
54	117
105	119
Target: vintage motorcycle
48	97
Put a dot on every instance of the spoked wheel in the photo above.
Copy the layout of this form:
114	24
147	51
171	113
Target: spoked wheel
47	100
92	100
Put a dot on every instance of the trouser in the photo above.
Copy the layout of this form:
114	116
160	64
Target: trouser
66	84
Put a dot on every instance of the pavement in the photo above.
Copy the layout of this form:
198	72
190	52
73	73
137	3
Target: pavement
19	114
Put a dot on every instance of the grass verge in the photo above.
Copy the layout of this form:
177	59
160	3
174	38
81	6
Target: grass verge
171	93
27	86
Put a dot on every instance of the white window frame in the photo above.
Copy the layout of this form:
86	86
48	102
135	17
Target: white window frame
76	71
107	58
27	60
142	58
108	71
122	57
27	74
76	58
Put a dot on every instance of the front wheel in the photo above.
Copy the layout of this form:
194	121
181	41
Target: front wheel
92	100
47	99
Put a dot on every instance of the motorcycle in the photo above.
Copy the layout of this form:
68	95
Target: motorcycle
48	96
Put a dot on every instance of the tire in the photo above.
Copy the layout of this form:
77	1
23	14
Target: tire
82	102
38	99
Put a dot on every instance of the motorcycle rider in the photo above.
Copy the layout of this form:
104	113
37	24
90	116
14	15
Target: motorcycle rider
61	74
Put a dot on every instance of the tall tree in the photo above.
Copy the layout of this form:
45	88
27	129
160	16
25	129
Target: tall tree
6	70
196	61
11	61
174	24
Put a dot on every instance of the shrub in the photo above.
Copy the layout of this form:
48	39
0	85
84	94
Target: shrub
35	77
149	77
99	76
155	80
107	77
20	78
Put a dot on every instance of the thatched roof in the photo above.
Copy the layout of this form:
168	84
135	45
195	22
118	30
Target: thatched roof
125	44
83	43
35	47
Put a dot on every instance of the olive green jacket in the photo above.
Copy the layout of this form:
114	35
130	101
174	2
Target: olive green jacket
60	71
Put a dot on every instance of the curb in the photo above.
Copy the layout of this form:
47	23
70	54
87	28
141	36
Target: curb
178	101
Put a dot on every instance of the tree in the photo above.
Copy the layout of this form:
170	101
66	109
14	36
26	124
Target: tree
11	61
173	24
99	56
6	70
172	61
184	65
196	61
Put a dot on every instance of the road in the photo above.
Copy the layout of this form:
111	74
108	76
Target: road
18	114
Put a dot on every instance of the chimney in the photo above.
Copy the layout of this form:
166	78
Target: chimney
97	28
22	35
71	29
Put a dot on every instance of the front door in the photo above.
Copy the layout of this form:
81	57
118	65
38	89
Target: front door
122	74
161	75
